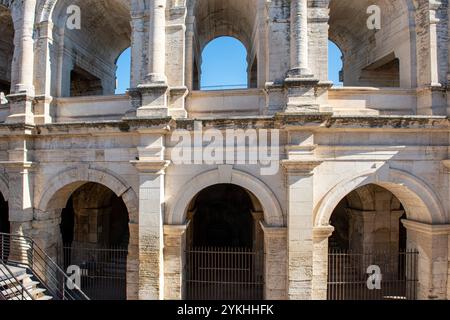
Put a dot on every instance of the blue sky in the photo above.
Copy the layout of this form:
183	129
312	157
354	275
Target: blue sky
224	65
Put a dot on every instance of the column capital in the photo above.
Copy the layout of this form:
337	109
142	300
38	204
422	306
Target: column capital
322	232
300	167
429	229
151	166
274	232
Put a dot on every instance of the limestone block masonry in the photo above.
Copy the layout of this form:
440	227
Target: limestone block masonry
363	167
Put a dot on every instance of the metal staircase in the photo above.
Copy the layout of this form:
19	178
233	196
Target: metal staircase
28	273
17	284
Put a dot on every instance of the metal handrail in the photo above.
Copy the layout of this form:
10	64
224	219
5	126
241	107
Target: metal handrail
14	284
23	251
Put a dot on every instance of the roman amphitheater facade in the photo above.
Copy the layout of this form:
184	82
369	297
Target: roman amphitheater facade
373	154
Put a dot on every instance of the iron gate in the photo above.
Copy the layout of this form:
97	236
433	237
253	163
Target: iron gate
351	276
103	270
224	274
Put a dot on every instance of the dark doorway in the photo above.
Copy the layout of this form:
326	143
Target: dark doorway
224	260
223	217
369	232
95	234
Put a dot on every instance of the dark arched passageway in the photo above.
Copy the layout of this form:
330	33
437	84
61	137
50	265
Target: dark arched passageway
369	237
95	236
224	255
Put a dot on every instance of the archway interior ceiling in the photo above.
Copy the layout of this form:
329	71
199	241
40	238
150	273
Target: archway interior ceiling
222	217
348	19
105	25
235	18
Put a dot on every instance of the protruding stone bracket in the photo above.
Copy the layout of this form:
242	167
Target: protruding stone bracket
152	167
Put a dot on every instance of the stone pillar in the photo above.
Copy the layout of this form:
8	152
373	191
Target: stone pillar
320	262
362	231
301	93
151	242
20	204
275	262
299	177
175	261
299	39
157	43
42	108
21	99
432	243
431	98
24	45
153	91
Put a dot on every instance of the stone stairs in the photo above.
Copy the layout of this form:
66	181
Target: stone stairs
11	285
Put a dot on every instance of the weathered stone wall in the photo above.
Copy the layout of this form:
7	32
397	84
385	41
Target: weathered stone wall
332	142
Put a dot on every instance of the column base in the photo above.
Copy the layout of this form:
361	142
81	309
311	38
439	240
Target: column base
20	108
153	100
301	94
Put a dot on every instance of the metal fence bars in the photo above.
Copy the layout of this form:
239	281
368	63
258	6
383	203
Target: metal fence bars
22	251
103	270
215	273
372	276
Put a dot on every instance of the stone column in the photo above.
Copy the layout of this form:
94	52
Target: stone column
175	261
154	90
151	242
42	108
21	99
299	39
20	204
320	262
23	42
157	43
299	176
137	47
301	94
275	262
432	243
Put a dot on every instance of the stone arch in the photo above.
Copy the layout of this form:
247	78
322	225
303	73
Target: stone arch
55	197
418	199
272	210
367	59
47	7
60	187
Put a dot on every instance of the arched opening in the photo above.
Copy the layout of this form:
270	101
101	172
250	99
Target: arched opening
87	55
368	59
224	31
123	73
6	50
224	242
224	65
335	65
370	238
95	235
5	228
